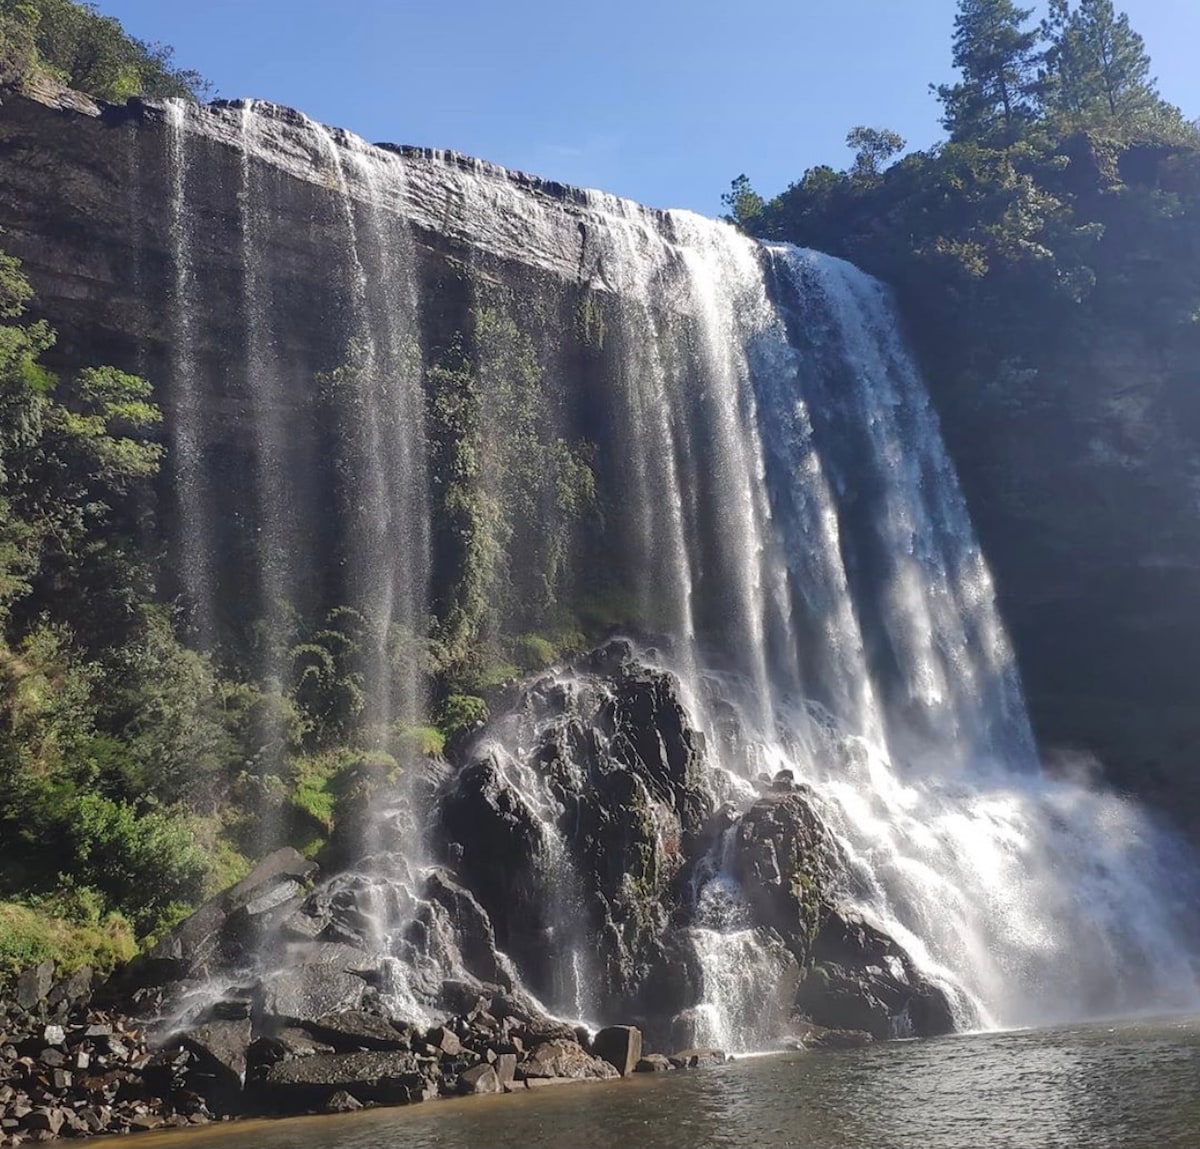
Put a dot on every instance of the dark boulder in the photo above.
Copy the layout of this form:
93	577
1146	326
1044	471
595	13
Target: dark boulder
220	1047
215	933
836	998
34	984
697	1058
353	1030
332	980
620	1046
866	974
308	1083
479	1079
784	859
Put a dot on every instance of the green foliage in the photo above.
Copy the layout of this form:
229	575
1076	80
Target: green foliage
145	862
1051	211
873	147
419	741
509	489
315	783
1096	68
80	936
998	58
744	204
329	686
461	712
76	45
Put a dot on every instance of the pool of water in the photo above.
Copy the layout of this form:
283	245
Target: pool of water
1126	1084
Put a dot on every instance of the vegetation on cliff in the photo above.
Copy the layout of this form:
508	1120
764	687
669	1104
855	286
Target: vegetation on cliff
104	718
1045	259
72	43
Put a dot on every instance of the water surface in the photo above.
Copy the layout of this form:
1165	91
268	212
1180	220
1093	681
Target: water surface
1127	1085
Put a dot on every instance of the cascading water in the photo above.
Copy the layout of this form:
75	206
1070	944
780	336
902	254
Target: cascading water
195	509
794	530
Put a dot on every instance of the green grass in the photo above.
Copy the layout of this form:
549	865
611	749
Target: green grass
29	936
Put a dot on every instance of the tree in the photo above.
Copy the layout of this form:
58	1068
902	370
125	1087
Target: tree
1097	68
873	147
744	203
998	58
77	45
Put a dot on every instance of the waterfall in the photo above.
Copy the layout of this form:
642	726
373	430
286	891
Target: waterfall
795	542
194	507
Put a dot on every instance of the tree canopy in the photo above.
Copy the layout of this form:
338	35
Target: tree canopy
75	44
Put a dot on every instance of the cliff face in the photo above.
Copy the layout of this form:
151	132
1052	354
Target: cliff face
1082	481
1084	492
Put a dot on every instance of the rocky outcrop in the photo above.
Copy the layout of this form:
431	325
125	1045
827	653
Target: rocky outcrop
784	858
597	825
584	807
865	982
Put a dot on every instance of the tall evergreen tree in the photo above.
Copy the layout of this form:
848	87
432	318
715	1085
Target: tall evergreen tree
1097	66
998	58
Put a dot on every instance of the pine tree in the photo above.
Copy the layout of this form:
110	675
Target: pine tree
998	58
1097	66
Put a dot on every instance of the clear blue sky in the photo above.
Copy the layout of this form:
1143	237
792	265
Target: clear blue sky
664	101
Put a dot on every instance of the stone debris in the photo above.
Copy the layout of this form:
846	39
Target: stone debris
72	1068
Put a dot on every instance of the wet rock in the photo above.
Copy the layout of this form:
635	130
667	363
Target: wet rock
563	1059
783	858
476	939
332	982
354	1030
220	1047
931	1012
480	1079
697	1058
202	940
620	1046
653	1063
867	981
310	1082
836	998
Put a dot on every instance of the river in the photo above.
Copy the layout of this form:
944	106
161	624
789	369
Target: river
1100	1086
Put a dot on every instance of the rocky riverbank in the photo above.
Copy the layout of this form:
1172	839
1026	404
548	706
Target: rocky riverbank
69	1068
585	860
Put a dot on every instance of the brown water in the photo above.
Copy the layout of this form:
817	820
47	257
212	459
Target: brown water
1127	1085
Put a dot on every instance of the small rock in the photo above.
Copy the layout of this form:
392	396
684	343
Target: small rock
506	1068
653	1063
343	1102
697	1058
444	1040
481	1079
34	984
45	1118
